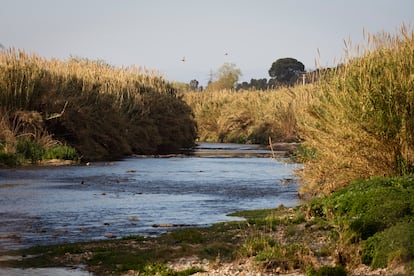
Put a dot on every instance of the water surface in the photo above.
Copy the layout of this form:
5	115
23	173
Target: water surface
50	205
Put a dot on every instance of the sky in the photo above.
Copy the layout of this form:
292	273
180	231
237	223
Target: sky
159	34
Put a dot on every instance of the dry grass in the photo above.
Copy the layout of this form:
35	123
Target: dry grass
247	116
361	118
357	121
101	110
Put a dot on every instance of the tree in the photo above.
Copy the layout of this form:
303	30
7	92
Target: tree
258	84
226	77
286	70
194	85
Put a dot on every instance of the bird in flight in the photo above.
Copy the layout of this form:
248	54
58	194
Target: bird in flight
183	60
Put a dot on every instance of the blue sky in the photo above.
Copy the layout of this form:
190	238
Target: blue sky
157	34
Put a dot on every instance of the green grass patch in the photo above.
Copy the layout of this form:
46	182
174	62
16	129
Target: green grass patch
29	151
393	245
378	214
63	152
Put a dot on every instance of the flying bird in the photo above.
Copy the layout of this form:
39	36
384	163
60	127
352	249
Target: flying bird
183	60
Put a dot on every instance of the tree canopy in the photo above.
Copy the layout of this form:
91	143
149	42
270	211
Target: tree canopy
286	70
226	77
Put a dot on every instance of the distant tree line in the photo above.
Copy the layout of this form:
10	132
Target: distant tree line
283	72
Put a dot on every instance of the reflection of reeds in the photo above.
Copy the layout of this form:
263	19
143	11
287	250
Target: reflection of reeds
361	118
108	111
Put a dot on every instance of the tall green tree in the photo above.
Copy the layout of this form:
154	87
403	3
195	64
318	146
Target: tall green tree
286	70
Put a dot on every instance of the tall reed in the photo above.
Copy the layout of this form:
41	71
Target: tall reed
102	110
247	116
361	118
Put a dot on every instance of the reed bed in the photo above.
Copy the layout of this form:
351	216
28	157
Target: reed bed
247	116
101	110
360	120
355	122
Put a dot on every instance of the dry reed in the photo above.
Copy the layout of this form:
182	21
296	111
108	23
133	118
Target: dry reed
360	119
247	116
102	110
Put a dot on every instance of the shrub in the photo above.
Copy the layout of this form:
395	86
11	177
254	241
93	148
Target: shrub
369	206
7	159
375	214
393	245
29	150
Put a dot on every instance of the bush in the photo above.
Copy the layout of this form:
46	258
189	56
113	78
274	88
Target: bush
7	159
393	245
29	150
369	206
377	214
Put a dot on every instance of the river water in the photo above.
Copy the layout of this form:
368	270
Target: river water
52	205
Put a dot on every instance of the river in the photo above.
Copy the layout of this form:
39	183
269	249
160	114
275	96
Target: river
139	195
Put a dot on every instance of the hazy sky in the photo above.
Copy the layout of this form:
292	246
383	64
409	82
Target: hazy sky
157	34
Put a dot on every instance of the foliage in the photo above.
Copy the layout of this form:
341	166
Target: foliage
391	246
361	118
63	152
377	214
286	70
102	111
29	150
7	159
226	77
254	84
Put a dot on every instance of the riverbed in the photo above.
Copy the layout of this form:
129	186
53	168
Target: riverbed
140	195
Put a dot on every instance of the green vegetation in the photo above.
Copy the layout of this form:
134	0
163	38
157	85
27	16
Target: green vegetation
286	71
28	151
375	215
369	222
102	111
145	255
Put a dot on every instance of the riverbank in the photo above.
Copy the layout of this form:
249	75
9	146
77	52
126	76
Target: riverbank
346	233
215	250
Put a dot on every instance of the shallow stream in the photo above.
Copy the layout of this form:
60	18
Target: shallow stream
139	195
